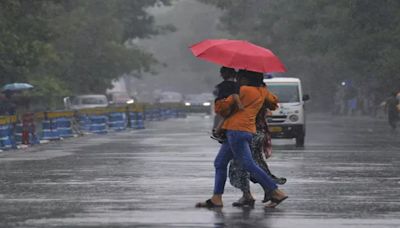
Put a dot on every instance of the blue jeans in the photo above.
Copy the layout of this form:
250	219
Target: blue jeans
237	146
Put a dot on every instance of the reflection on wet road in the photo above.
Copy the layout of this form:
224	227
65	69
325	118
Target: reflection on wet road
348	175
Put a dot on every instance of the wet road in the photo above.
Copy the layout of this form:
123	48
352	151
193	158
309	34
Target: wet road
348	175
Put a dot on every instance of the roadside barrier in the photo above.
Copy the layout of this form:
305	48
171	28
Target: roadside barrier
18	133
162	114
55	125
140	120
133	123
157	114
96	120
7	132
5	139
98	124
173	113
137	115
49	130
148	115
64	127
182	113
84	123
152	115
116	121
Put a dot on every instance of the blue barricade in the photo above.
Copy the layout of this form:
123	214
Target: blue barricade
64	127
148	115
98	124
116	121
136	120
175	113
84	123
33	139
172	113
140	120
49	130
57	125
161	112
133	120
18	133
181	114
157	114
5	137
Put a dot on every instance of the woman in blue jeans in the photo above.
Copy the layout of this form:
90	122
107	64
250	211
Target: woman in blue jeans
240	128
261	150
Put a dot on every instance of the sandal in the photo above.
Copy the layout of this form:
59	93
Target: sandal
275	202
220	140
267	197
208	204
244	203
280	180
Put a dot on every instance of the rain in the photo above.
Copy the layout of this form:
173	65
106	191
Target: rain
112	113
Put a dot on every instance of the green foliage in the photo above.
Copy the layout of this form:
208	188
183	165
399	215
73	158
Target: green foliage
93	50
47	93
74	46
24	38
324	41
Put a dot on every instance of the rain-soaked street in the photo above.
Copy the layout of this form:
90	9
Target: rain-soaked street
347	175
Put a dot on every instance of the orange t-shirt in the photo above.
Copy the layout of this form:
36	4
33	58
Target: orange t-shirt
252	98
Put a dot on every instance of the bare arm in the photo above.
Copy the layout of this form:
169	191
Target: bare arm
272	100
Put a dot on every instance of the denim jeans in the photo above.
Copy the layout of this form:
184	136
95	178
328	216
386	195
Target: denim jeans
237	146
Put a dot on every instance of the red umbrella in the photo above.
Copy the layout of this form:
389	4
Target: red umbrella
239	54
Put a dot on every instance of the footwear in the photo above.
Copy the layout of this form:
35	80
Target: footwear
244	203
220	140
208	204
275	202
267	197
280	180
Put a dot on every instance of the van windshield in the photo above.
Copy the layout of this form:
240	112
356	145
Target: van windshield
287	93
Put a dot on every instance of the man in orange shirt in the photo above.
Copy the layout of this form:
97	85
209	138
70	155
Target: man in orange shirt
240	128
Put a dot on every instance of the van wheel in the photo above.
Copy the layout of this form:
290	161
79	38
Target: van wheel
300	140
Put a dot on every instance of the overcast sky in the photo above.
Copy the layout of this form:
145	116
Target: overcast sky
182	72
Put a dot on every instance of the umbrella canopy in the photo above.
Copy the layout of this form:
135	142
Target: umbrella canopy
239	54
16	87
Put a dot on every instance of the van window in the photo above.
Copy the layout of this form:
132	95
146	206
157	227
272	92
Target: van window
92	100
74	101
287	93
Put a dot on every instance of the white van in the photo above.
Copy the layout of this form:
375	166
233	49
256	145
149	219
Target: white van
85	101
288	121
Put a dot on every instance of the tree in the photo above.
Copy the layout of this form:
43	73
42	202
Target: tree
25	36
322	41
74	46
94	41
